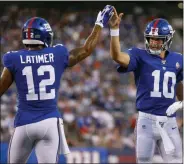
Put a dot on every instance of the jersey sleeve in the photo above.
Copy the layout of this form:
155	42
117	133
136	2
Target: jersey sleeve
133	64
8	62
63	51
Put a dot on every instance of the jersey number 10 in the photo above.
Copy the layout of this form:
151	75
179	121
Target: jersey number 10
167	75
27	71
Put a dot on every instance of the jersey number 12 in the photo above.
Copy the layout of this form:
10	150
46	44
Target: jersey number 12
27	71
166	93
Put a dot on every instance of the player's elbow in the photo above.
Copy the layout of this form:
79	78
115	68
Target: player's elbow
114	55
120	58
115	59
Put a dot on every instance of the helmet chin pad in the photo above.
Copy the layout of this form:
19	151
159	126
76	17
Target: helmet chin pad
155	52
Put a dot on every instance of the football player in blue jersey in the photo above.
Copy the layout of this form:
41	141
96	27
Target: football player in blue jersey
37	71
158	74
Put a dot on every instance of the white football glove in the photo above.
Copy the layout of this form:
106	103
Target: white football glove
174	107
104	16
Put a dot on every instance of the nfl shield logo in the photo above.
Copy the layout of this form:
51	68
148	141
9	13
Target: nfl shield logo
161	124
163	61
177	65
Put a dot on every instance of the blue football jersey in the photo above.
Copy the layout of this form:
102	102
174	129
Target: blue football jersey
37	76
155	79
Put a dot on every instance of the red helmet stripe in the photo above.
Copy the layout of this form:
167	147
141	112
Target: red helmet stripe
29	27
156	22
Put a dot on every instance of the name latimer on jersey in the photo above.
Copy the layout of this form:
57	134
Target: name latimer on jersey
44	58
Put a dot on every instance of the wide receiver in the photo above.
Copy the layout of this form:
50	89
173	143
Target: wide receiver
37	71
158	74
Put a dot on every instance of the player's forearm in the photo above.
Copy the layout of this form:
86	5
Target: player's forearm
115	48
92	40
78	54
116	54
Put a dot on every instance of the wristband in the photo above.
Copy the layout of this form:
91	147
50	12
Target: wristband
100	24
114	32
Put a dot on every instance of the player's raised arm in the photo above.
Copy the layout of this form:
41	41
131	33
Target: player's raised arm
115	49
78	54
5	81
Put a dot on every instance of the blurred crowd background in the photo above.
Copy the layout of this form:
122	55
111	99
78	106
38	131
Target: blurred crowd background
96	103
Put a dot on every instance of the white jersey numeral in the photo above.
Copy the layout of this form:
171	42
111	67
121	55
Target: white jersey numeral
45	82
155	92
27	71
166	93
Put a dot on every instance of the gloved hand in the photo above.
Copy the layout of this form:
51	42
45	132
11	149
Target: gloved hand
104	16
174	107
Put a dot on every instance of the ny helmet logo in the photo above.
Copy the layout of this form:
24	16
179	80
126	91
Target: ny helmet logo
163	61
154	31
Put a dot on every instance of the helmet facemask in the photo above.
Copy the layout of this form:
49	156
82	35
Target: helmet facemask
156	49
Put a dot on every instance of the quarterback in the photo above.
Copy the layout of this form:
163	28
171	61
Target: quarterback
158	74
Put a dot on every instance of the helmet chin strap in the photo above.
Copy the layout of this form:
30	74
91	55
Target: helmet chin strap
46	44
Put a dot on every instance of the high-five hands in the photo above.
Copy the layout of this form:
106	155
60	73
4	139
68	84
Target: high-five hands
104	16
